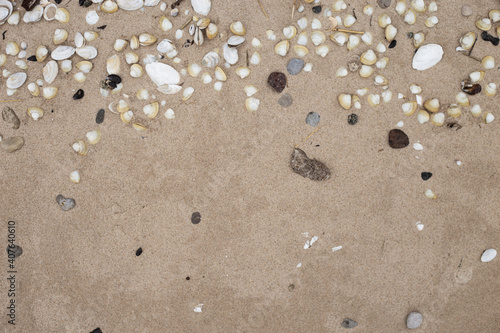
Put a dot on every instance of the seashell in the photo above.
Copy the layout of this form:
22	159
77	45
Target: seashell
187	93
12	48
79	40
109	6
230	54
5	11
423	116
410	17
354	41
345	101
92	17
151	110
50	71
49	92
270	35
494	15
212	31
390	32
165	23
162	74
130	4
476	76
14	18
384	20
250	90
206	78
136	70
62	15
302	23
120	44
234	41
211	59
438	120
192	29
237	28
387	96
476	110
79	77
338	5
488	62
6	73
198	37
374	100
139	127
432	105
418	6
218	86
340	38
126	117
365	71
300	50
488	118
146	39
488	255
467	40
382	63
418	39
21	64
113	64
122	106
462	99
380	80
60	36
61	52
66	66
368	10
409	108
220	75
427	56
490	89
170	114
49	13
484	24
401	7
302	39
252	104
415	89
86	66
322	50
355	101
34	15
74	177
243	72
367	38
16	80
34	89
289	32
454	110
3	59
131	58
87	52
380	48
431	21
349	20
194	69
142	94
368	58
202	7
317	38
169	89
134	43
316	24
35	113
11	92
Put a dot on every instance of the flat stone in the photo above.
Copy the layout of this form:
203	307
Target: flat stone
196	218
294	66
10	117
384	3
277	81
312	119
12	144
398	139
466	11
414	320
65	203
349	323
99	118
285	100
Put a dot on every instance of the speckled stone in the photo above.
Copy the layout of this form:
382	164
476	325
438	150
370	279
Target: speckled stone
312	119
294	66
414	320
285	100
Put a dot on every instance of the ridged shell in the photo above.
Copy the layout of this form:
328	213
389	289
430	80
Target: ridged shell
34	15
151	110
211	59
109	6
113	64
49	92
16	80
130	4
5	10
62	52
87	52
169	89
50	71
230	54
202	7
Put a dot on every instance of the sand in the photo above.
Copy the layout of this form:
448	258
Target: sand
79	268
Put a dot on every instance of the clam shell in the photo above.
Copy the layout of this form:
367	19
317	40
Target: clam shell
16	80
211	31
151	3
113	64
34	15
165	24
62	52
130	4
90	35
427	56
5	10
131	58
202	7
84	66
169	89
14	18
151	110
79	40
230	54
120	44
60	36
50	71
136	70
41	53
49	13
211	59
35	113
237	28
49	92
109	6
235	40
87	52
220	74
92	17
165	46
162	74
62	15
146	39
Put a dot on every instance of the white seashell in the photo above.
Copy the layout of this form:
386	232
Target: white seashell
79	40
282	48
380	80
476	110
340	38
165	24
374	100
237	28
489	117
316	24
206	78
192	29
415	89
317	38
243	72
250	90
49	13
488	62
169	89
109	6
218	86
16	80
130	4
418	5
50	71
3	59
490	89
484	24
368	10
462	99
178	34
62	52
162	74
252	104
401	7
11	92
382	63
427	56
170	114
202	7
12	48
142	94
410	17
256	42
288	32
322	50
230	54
362	92
35	113
255	58
302	40
349	20
431	21
74	177
302	23
60	36
387	96
211	59
187	93
390	32
84	66
79	77
6	73
21	64
418	39
467	40
87	52
131	58
384	20
120	44
354	41
34	15
235	41
194	69
113	64
380	48
488	255
342	72
270	35
338	5
39	82
14	18
34	89
49	92
136	70
146	39
367	38
151	110
151	3
62	15
220	75
92	17
212	30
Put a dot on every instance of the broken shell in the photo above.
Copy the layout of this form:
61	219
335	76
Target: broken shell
139	127
250	90
34	89
187	93
415	89
349	20
66	66
476	76
230	54
92	17
302	39
380	48
367	38
374	100
302	23
203	23
136	70
235	41
34	15
194	70
109	6
49	12
476	110
220	75
112	65
454	110
16	80
255	58
211	31
170	114
409	108
380	80
365	71
218	86
243	72
483	24
79	40
494	15
427	56
49	92
62	15
14	18
50	71
86	66
432	105
429	194
423	116
340	38
401	7
120	44
252	104
126	117
12	48
316	24
437	119
35	113
368	10
490	89
355	101
74	177
382	63
206	78
3	59
462	99
60	36
211	59
390	32
90	35
345	101
80	147
368	58
165	23
489	117
488	62
79	77
21	64
432	7
338	5
289	32
142	94
146	39
237	28
282	48
169	89
322	50
130	4
61	52
256	42
131	58
418	39
300	50
317	38
431	21
87	52
387	96
122	106
94	136
384	20
134	43
418	5
151	110
410	17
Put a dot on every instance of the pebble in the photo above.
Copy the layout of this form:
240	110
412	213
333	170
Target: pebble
414	320
138	252
196	218
488	255
398	139
277	81
16	250
12	144
349	323
317	9
308	168
97	330
393	44
490	38
65	203
294	66
426	175
99	118
312	119
10	117
79	94
466	11
352	119
32	58
384	3
285	100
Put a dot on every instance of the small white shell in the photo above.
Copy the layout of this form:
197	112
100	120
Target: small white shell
62	52
87	52
16	80
50	71
92	17
488	255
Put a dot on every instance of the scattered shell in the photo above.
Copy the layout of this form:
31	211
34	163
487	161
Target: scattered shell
490	89
126	116
237	28
14	18
317	38
62	15
79	40
368	10
130	4
49	92
382	63
16	80
243	72
488	62
194	70
34	89
476	110
74	177
300	50
302	23
12	48
316	24
187	93
146	39
218	86
302	39
322	50
367	38
390	32
230	54
120	44
61	52
151	110
270	35
250	90
423	116
366	71
252	104
345	101
256	42
60	36
489	117
202	7
484	24
431	21
384	20
49	13
488	255
462	99
170	114
131	58
79	77
35	15
349	20
220	75
494	15
476	76
374	100
437	119
368	58
282	48
90	35
401	7
86	66
454	110
212	30
427	56
235	41
80	147
432	105
255	58
112	65
340	38
418	39
92	17
410	17
136	71
109	6
380	48
134	43
87	52
289	32
50	71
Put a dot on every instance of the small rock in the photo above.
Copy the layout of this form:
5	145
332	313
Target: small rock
466	11
32	58
488	255
79	94
294	66
352	119
426	175
414	320
12	144
349	323
291	287
277	81
308	168
97	330
312	119
398	139
384	3
16	250
65	203
317	9
10	117
393	44
490	38
196	218
99	118
29	4
285	100
138	252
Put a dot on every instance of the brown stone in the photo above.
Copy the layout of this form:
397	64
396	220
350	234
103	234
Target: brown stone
398	139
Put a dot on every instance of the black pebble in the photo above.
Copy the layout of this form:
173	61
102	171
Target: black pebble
17	250
352	119
80	2
349	323
489	38
58	1
188	278
32	58
426	175
317	9
79	94
87	3
393	44
99	118
97	330
102	27
196	218
114	78
138	252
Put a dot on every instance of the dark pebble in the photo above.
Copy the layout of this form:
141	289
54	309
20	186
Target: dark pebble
81	2
291	287
426	175
349	323
188	278
58	1
352	119
312	119
97	330
138	252
490	38
285	101
384	3
99	118
393	44
10	117
65	203
471	89
409	35
29	4
277	81
294	66
32	58
113	78
102	27
79	94
87	3
16	250
308	168
196	218
398	139
316	9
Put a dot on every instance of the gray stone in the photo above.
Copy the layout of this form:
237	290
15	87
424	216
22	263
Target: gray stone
384	3
10	117
12	144
285	100
294	66
466	11
349	323
414	320
312	119
65	203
